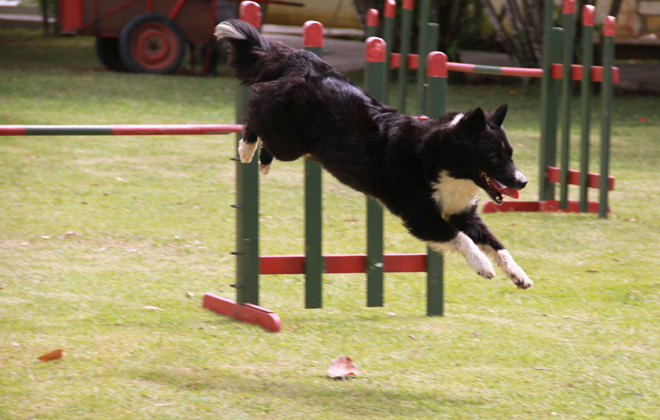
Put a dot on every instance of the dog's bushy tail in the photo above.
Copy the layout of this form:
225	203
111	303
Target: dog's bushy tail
252	57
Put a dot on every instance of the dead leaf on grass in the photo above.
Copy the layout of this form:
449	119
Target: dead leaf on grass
341	367
53	355
153	308
190	294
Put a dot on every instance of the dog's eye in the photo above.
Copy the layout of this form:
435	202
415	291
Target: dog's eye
495	159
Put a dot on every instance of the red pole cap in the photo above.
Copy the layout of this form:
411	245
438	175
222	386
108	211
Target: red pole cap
250	12
372	17
569	7
390	8
408	4
588	15
436	64
375	50
312	34
609	26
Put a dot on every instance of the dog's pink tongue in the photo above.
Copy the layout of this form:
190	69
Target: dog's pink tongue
504	190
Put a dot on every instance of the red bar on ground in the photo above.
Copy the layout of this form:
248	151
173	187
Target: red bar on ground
249	313
554	175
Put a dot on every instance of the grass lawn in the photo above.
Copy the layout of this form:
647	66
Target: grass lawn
94	230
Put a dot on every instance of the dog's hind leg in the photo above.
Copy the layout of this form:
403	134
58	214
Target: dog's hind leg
265	159
247	146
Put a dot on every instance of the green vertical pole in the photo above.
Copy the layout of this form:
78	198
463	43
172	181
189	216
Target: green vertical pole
247	197
436	107
375	84
568	19
606	117
388	36
314	261
406	31
247	219
372	23
546	188
423	48
549	133
586	88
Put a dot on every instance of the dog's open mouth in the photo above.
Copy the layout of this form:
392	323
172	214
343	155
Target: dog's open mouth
496	189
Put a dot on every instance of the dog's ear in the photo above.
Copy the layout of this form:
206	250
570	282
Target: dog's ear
499	114
474	120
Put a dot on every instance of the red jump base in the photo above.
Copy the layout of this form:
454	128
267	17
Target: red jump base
249	313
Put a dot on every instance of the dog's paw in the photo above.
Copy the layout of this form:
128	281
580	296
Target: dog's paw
246	150
480	262
513	270
264	169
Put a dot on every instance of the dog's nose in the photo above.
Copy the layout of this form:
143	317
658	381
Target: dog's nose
520	178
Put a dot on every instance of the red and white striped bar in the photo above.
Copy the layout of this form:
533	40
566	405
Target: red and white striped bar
555	73
119	130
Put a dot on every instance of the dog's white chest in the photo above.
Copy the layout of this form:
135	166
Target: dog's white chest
454	195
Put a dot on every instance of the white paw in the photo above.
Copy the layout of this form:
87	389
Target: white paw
513	270
246	150
264	168
481	264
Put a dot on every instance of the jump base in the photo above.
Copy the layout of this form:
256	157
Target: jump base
249	313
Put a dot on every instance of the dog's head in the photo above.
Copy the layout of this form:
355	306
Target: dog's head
475	147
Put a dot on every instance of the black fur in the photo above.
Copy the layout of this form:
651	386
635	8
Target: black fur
301	106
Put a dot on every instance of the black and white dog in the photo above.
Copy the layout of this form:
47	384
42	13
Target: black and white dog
428	173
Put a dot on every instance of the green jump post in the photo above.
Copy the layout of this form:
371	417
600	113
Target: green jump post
568	20
423	48
609	30
588	13
436	106
546	188
372	23
247	197
314	260
388	36
375	84
406	31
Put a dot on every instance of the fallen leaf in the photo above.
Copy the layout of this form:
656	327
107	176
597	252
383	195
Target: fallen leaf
153	308
412	337
53	355
592	270
641	119
15	344
190	294
542	368
69	233
391	314
342	366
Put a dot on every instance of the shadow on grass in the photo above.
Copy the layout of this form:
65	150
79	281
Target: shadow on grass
349	399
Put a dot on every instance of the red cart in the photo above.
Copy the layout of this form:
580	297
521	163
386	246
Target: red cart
144	36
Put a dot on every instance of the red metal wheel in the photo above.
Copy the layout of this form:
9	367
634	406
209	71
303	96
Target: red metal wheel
152	43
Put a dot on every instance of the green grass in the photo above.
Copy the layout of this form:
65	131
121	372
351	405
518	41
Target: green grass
152	222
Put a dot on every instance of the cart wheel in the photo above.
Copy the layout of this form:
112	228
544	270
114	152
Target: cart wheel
151	43
107	50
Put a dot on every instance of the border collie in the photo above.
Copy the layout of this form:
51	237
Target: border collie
428	173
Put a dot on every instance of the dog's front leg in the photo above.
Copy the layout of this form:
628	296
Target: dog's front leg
474	227
247	146
426	223
475	258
